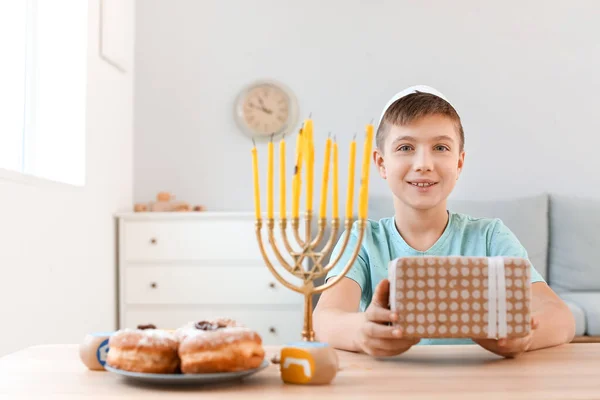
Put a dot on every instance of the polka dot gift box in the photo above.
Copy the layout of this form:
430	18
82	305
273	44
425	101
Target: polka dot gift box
461	297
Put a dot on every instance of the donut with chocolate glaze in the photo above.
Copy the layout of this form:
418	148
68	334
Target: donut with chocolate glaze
145	349
192	327
213	347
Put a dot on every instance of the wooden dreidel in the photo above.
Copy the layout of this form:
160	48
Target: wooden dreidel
308	363
93	350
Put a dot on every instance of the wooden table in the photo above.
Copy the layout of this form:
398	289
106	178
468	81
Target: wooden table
425	372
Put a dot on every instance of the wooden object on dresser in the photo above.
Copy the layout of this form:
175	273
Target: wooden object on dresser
180	267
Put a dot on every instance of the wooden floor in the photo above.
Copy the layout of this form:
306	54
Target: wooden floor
586	339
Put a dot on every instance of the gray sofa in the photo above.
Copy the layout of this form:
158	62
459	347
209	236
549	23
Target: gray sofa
562	237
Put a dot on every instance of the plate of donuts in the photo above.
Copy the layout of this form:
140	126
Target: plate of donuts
199	353
180	379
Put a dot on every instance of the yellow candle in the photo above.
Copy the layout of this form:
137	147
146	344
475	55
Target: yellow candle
270	182
364	187
350	194
282	178
335	180
309	147
323	209
297	176
256	188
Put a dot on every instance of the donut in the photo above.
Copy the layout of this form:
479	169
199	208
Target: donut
211	347
192	327
145	349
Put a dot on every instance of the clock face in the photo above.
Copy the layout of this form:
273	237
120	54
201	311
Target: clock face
265	109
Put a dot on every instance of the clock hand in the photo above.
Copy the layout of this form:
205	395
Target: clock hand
262	105
263	109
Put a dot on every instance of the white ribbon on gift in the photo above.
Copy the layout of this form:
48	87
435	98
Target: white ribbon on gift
497	324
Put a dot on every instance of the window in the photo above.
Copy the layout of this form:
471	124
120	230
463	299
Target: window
13	42
42	88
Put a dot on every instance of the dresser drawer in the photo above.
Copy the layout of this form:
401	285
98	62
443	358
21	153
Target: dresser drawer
175	284
206	240
275	326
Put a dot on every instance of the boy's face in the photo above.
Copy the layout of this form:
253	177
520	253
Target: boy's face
421	161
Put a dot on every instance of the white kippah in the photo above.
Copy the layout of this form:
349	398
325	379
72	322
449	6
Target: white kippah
410	90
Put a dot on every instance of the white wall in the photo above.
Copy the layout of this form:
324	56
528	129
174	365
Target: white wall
523	75
57	242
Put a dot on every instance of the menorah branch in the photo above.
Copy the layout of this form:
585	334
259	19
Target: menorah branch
282	261
361	233
296	229
261	246
335	225
348	228
321	232
284	235
307	228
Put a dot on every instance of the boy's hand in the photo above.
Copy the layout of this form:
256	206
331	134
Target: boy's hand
376	337
510	348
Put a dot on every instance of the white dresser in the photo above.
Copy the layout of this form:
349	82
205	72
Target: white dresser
190	266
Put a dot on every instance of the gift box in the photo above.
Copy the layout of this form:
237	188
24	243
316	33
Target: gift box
461	297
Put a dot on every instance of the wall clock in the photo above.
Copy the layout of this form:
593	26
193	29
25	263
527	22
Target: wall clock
266	108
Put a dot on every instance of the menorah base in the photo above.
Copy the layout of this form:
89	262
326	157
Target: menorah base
308	334
308	363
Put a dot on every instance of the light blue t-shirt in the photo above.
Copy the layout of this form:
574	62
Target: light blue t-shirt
463	236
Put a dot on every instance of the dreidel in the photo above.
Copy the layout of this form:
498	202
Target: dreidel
308	363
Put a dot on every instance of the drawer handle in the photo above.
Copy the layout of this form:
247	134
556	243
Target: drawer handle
273	330
153	241
272	285
153	285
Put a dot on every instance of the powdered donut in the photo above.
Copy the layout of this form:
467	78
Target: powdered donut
211	348
145	349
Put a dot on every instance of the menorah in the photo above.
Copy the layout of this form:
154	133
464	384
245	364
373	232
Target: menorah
308	245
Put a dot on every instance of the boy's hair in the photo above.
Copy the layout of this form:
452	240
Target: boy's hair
412	107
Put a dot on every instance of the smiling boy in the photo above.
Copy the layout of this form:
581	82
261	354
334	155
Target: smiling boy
420	154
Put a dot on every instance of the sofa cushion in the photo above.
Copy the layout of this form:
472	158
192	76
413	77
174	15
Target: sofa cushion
526	217
589	302
579	314
574	244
